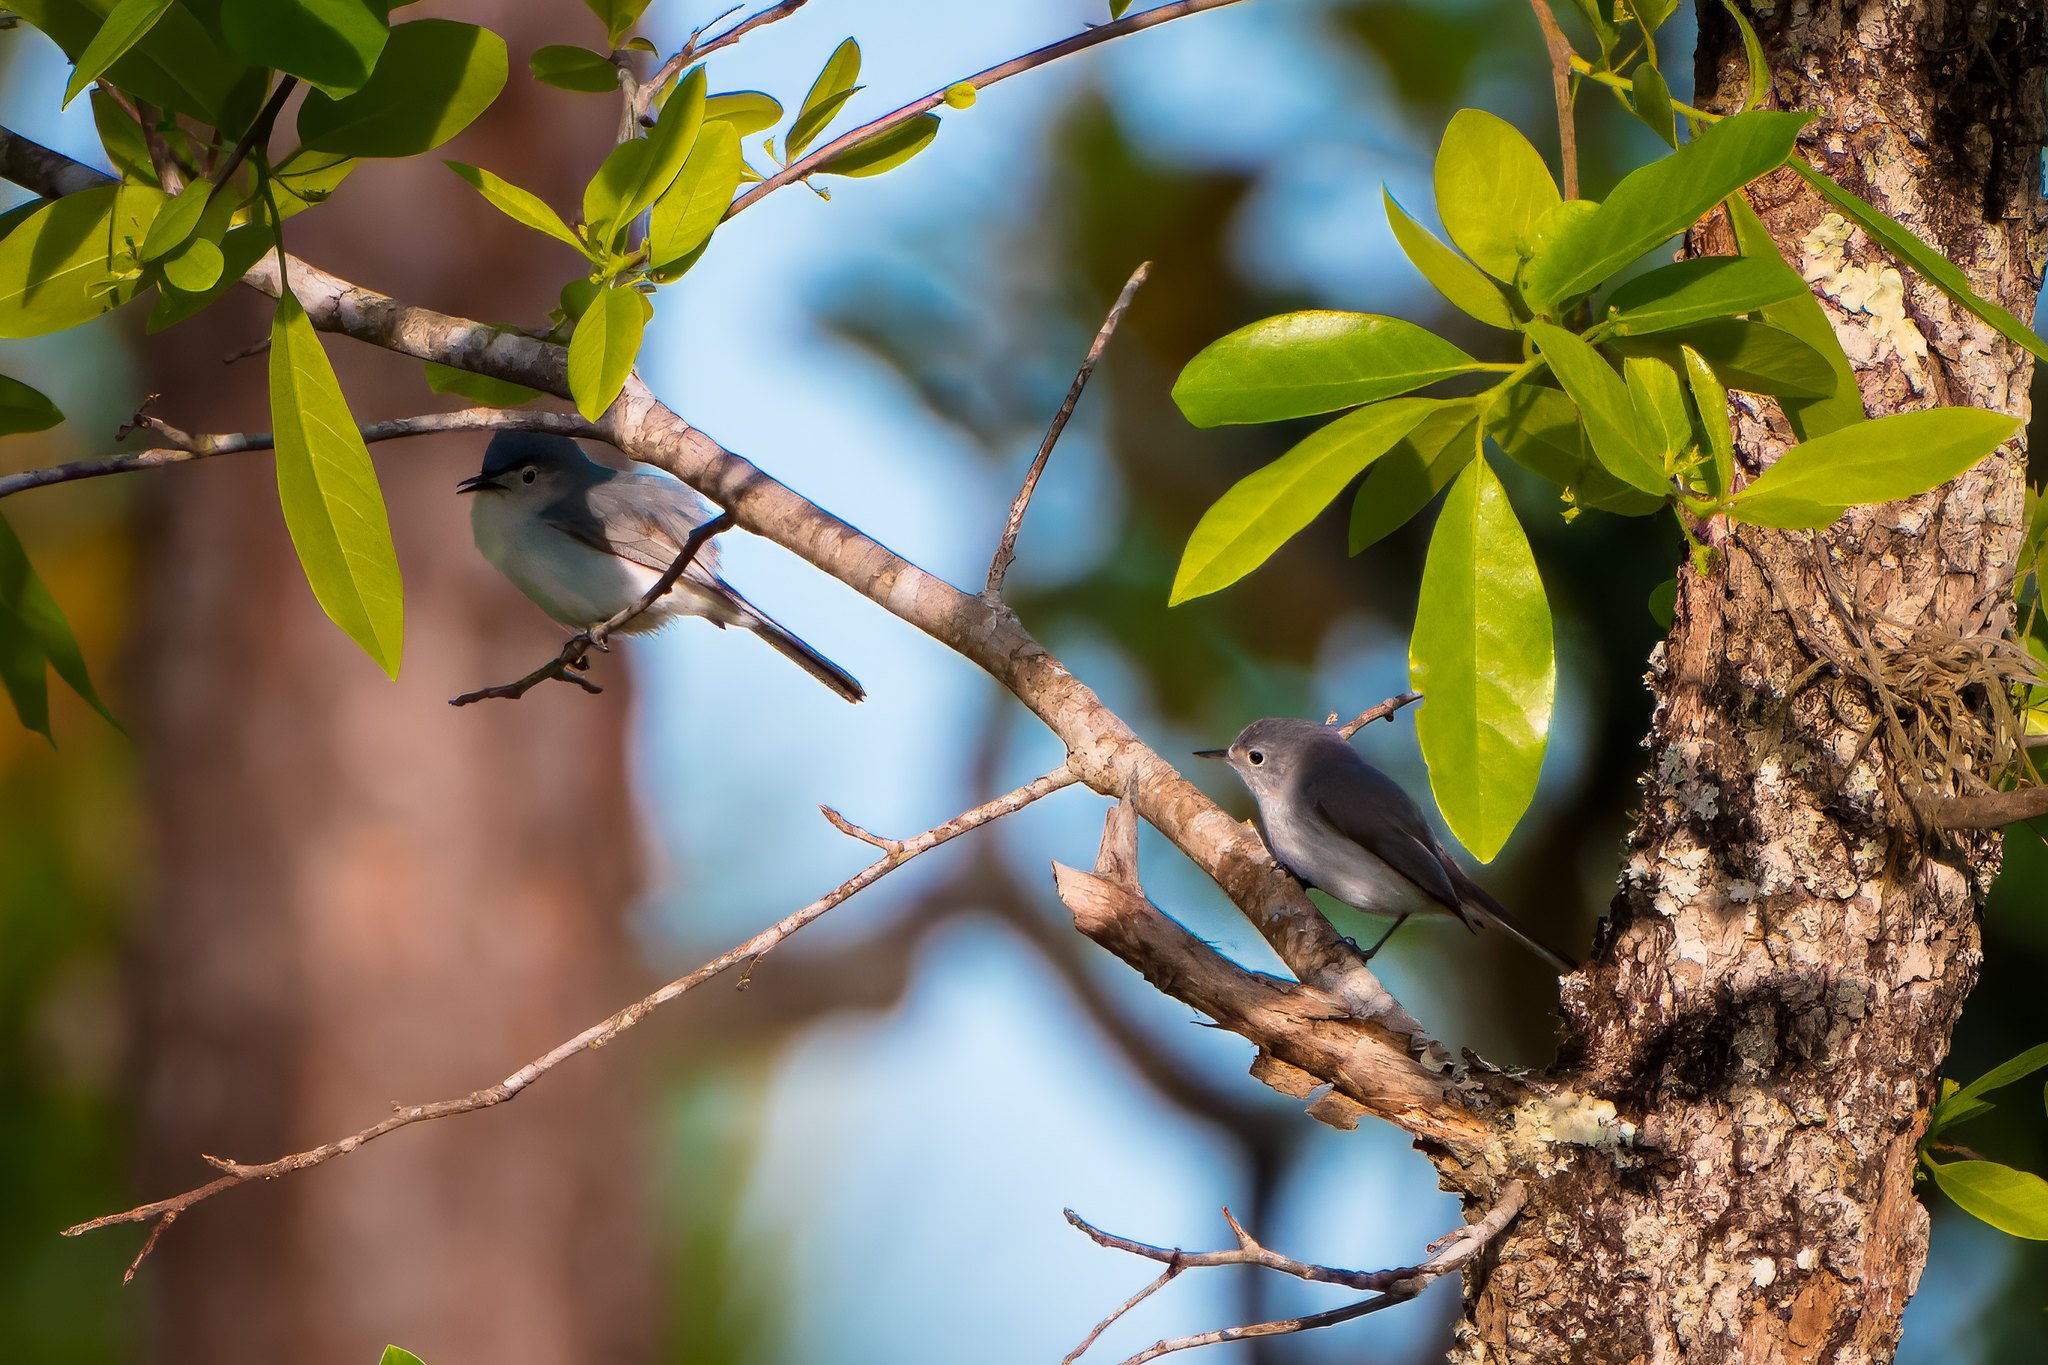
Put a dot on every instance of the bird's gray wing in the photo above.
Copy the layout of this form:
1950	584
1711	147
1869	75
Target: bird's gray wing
1370	809
638	518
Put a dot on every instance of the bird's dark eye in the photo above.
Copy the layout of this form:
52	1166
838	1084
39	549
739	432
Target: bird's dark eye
1257	757
529	474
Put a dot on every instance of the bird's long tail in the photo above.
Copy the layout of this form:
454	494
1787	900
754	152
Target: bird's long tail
785	643
1482	906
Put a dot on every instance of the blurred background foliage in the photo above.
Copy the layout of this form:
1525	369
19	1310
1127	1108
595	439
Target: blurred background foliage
1242	153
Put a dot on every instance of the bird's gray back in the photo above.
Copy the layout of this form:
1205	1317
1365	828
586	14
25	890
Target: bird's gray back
640	517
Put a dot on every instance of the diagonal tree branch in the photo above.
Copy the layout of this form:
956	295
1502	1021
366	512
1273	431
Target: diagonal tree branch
164	1211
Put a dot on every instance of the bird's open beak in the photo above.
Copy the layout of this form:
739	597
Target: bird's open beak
1212	753
474	483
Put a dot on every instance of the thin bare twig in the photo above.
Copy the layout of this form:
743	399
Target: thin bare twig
1560	48
1384	711
853	831
1388	1287
574	658
1006	551
164	1211
183	447
1101	33
259	131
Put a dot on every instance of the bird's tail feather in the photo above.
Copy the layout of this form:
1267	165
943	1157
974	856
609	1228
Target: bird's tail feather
1478	903
783	642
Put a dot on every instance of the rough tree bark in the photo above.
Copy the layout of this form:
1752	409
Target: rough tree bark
1775	986
362	896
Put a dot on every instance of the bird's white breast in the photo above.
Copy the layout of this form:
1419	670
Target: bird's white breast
571	582
1323	858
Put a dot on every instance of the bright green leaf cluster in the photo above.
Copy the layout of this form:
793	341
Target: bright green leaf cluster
1623	404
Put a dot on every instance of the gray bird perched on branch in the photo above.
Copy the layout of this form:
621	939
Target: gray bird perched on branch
1346	828
586	542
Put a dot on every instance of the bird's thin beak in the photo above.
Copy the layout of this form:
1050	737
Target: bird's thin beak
1212	753
475	482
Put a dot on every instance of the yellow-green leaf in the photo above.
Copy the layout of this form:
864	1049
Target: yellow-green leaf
1482	653
604	346
23	409
520	205
33	631
1418	467
1802	315
1299	364
1883	460
328	488
1263	510
833	87
125	26
1457	279
434	78
1491	188
885	151
685	217
2012	1201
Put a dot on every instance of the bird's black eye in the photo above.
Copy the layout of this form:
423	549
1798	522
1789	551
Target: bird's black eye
1257	757
529	474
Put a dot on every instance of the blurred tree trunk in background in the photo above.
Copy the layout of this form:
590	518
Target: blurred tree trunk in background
363	896
1778	980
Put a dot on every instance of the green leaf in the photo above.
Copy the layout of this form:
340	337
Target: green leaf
1491	188
961	95
1482	653
196	267
1663	603
1883	460
394	1355
520	205
1931	264
127	149
1651	14
37	626
2014	1202
24	673
434	78
1298	364
567	67
636	173
1603	403
685	217
1700	290
1752	356
885	151
1264	509
1759	69
332	45
1457	279
125	26
306	178
1802	316
1712	402
2004	1074
1117	8
175	223
1594	12
618	16
1662	421
748	111
603	347
477	388
23	409
328	489
240	250
833	87
1653	102
175	64
55	263
1414	470
1656	202
1540	429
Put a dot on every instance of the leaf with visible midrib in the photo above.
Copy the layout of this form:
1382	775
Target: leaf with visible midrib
2012	1201
1491	188
1483	654
435	77
1300	364
1883	460
1262	510
1656	202
603	347
328	489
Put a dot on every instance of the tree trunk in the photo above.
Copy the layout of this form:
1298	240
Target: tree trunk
1776	984
363	896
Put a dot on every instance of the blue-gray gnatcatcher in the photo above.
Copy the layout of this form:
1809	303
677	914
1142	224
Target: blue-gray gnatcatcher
585	542
1346	828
